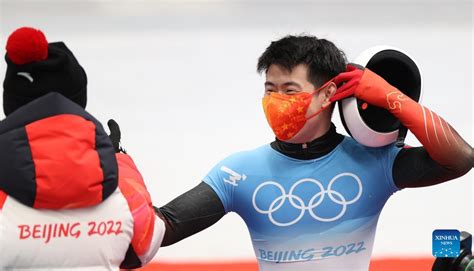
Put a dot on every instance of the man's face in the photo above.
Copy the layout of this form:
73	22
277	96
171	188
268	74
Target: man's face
284	81
281	80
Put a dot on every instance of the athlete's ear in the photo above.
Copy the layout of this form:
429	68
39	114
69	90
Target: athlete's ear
327	93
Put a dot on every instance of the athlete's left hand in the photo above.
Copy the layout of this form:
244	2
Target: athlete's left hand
364	84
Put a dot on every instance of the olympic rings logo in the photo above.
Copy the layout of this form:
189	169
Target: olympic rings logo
298	203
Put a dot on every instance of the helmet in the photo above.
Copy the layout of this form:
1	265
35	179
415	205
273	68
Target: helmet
374	126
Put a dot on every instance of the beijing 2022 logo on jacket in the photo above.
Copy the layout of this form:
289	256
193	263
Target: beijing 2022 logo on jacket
286	208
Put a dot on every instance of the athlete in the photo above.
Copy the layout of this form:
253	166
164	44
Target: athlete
311	198
69	198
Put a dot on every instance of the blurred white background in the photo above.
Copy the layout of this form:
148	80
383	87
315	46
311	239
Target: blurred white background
180	79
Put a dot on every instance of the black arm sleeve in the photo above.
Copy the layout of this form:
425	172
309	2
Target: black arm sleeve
190	213
413	167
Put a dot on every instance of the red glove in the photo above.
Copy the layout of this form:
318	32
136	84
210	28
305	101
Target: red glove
441	141
351	77
365	85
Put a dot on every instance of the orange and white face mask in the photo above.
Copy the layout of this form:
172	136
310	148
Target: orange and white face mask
286	114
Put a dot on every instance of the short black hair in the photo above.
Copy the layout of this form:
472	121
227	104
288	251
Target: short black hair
323	58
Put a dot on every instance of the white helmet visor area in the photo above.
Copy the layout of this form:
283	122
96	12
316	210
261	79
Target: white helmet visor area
374	126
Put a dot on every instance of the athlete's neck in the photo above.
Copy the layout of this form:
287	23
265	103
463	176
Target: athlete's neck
311	150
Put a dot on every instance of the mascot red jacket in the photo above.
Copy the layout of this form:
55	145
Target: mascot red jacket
69	199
